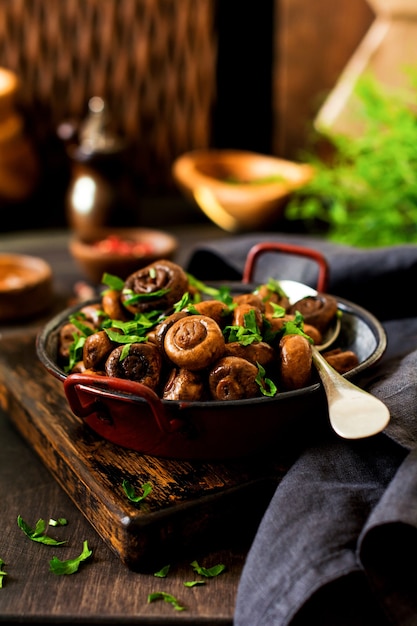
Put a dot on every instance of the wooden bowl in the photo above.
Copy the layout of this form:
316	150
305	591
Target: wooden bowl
25	286
120	251
9	84
239	190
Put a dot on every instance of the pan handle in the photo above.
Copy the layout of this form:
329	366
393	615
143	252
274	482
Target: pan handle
261	248
88	394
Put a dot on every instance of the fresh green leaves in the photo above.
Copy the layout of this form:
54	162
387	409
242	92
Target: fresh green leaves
134	298
296	326
61	521
70	566
202	287
366	194
38	533
2	573
194	583
166	597
266	385
131	494
163	572
208	572
113	282
246	334
202	571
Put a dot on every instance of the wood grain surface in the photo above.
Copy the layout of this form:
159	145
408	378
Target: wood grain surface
190	502
104	590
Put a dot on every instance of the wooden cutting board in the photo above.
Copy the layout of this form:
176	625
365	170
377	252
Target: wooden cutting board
191	503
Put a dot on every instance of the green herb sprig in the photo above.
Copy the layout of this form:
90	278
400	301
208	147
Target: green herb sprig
366	193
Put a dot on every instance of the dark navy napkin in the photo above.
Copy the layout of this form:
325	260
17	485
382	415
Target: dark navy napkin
337	545
377	279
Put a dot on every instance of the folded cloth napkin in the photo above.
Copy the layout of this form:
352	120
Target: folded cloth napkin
337	545
377	279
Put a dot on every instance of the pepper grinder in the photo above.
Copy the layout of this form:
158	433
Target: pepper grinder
100	192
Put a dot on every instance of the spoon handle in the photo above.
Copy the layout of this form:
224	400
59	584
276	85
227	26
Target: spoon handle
353	412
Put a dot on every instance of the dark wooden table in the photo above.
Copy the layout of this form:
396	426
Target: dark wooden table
104	590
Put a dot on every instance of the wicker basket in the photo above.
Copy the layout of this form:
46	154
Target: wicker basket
153	62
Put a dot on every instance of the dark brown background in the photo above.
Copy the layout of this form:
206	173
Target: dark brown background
176	76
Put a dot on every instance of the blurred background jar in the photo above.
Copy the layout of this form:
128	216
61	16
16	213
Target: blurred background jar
101	192
19	167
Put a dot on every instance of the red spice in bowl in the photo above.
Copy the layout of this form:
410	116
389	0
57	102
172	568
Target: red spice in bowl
121	251
113	244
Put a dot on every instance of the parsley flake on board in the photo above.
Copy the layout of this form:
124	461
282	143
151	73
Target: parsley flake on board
2	573
194	583
38	533
70	566
208	572
61	521
131	494
166	597
163	572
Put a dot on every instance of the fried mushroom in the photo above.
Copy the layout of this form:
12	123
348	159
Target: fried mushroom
96	349
256	352
296	362
142	364
194	342
233	378
157	286
184	385
217	310
341	360
318	310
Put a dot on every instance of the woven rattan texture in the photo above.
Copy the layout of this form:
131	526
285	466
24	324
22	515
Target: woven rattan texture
153	61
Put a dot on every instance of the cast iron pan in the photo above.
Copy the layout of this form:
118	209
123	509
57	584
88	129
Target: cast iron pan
131	415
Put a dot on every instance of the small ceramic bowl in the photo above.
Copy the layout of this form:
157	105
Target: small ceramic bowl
120	251
25	286
239	190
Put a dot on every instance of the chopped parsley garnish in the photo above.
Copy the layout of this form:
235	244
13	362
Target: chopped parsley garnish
266	385
70	566
75	352
131	494
134	298
208	572
202	287
166	597
278	310
273	286
2	573
163	572
296	327
61	521
113	282
194	583
38	533
246	334
186	304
